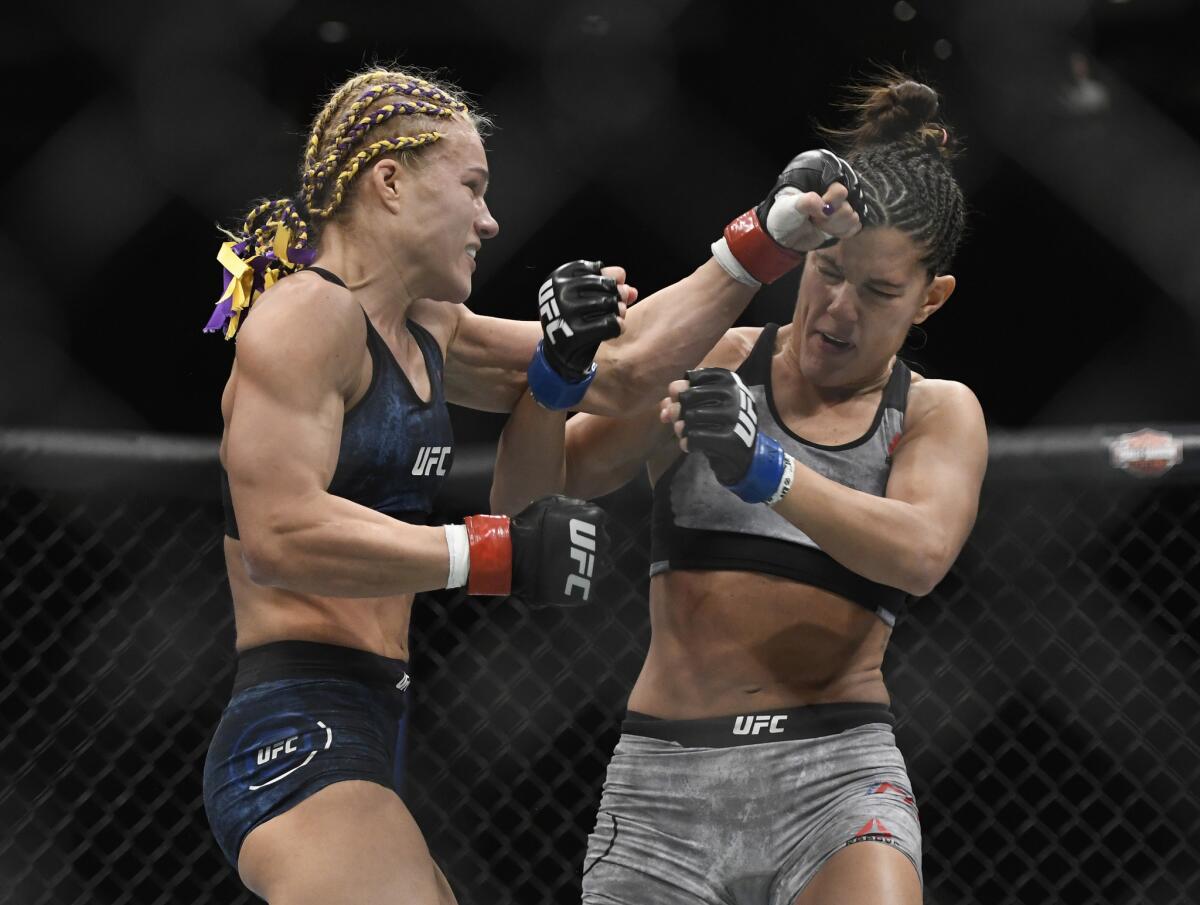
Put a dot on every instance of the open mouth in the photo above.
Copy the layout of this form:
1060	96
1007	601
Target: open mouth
832	342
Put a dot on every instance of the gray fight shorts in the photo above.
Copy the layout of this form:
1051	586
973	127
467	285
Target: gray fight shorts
745	809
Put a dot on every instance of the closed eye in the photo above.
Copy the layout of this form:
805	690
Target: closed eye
881	294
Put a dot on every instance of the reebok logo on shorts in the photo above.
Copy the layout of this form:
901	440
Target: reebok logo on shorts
873	830
430	458
753	725
883	788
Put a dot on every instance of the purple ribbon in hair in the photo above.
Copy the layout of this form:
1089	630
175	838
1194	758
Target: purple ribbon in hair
299	257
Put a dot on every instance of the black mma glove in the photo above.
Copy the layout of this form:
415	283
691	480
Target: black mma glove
579	309
549	554
767	241
721	421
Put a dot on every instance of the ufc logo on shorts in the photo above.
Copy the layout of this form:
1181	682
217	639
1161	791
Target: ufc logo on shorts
583	551
429	458
549	313
747	420
268	753
753	725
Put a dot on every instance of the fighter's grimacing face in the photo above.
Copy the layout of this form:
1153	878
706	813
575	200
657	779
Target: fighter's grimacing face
856	302
439	215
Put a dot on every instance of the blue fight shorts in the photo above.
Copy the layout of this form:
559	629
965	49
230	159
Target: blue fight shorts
303	715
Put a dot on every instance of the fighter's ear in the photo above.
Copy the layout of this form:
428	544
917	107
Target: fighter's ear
940	289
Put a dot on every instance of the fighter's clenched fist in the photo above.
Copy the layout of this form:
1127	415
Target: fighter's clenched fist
580	305
815	201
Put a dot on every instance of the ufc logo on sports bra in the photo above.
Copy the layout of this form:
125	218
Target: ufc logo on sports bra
583	551
550	315
429	458
753	725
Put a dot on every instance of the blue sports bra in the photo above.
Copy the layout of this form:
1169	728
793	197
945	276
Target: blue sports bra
396	449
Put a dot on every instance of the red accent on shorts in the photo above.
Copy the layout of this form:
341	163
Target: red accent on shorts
873	827
491	555
888	787
764	258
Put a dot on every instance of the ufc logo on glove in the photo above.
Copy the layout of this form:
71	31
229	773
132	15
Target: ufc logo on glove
747	419
583	550
549	313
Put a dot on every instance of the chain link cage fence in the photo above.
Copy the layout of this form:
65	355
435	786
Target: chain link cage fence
1046	692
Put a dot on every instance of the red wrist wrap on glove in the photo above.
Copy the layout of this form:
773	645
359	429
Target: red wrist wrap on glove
491	555
764	258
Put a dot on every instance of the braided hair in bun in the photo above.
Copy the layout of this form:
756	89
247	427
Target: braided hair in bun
901	151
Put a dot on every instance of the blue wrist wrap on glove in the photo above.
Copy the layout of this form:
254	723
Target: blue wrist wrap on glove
549	388
765	472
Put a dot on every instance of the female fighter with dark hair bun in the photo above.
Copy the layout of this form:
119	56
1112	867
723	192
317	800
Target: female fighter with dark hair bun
806	485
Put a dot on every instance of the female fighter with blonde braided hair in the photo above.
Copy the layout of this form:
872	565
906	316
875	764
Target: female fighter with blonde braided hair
346	301
806	483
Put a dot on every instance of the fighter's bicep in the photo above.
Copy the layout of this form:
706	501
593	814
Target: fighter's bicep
281	441
284	424
939	464
486	360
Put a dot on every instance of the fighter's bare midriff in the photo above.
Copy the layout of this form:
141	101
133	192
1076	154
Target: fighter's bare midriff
263	614
724	643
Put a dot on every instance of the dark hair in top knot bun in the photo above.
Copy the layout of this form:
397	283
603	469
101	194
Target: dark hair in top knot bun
892	107
902	155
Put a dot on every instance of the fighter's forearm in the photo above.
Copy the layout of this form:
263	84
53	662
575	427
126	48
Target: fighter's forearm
331	546
529	457
665	334
891	542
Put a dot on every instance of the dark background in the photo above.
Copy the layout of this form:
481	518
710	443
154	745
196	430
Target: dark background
628	131
1046	692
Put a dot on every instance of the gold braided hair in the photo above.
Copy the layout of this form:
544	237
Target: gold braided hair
376	112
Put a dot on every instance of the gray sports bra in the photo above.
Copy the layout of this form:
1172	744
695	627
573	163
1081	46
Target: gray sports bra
698	524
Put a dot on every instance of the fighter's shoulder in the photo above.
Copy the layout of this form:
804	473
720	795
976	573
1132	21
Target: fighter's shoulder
302	318
733	348
941	399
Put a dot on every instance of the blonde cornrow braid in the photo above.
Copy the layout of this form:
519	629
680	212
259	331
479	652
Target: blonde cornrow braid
315	178
385	112
331	107
255	213
417	88
277	213
386	145
339	148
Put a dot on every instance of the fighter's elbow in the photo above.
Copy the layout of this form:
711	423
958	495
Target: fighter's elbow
264	556
928	565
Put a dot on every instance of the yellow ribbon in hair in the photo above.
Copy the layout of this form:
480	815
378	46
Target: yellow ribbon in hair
240	292
283	239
